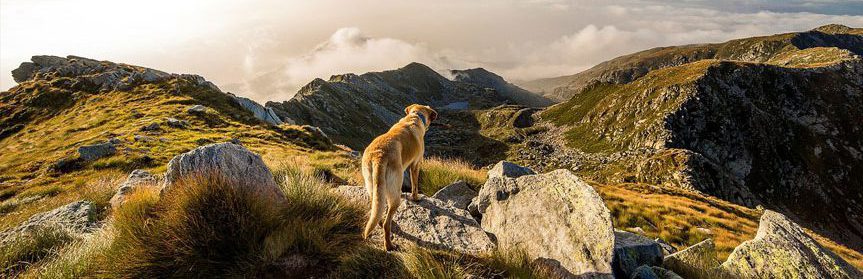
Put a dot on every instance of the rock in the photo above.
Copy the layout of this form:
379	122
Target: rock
631	251
705	231
197	109
696	261
150	127
667	249
653	272
781	249
636	230
135	179
96	151
523	118
508	169
142	138
554	216
260	112
75	218
236	141
235	163
176	123
431	223
24	72
458	194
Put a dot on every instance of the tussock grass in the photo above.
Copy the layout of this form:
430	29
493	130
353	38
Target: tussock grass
19	252
78	259
435	173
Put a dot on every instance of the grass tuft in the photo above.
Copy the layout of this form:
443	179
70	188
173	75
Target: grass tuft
19	252
435	173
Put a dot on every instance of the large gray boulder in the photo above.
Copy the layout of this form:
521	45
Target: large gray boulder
458	194
233	162
508	169
555	217
260	112
431	223
136	178
781	249
95	151
632	251
74	218
696	261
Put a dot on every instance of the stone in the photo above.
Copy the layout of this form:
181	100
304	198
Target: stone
458	194
235	163
696	261
317	132
176	123
632	251
705	231
197	109
430	223
136	178
636	230
667	249
24	72
96	151
555	217
653	272
781	249
75	218
150	127
508	169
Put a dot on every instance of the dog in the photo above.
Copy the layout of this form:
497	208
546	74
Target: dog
385	161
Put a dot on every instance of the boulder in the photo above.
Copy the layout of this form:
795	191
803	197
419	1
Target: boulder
150	127
74	218
653	272
176	123
458	194
555	217
696	261
781	249
631	251
260	112
235	163
96	151
317	132
430	223
197	109
135	179
667	249
508	169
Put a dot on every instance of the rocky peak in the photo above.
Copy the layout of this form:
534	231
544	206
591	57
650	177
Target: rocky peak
834	29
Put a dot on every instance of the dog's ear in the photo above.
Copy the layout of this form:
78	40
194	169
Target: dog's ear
408	109
432	114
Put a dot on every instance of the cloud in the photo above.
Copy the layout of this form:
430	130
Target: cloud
347	50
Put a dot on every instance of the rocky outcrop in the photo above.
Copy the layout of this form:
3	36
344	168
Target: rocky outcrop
431	223
484	78
555	217
136	178
74	218
632	251
696	261
95	151
96	75
260	112
236	164
458	194
781	249
508	170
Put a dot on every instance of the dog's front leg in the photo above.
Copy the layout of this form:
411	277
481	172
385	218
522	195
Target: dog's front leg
415	174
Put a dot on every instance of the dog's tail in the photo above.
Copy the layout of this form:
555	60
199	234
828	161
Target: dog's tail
376	196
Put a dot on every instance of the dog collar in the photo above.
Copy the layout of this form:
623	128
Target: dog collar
422	118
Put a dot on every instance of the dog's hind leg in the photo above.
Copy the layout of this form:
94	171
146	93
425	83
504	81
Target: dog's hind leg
393	202
375	197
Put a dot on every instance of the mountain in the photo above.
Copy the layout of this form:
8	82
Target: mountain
353	109
630	67
783	133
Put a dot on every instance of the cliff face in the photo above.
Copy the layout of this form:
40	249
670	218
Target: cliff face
628	68
786	136
353	109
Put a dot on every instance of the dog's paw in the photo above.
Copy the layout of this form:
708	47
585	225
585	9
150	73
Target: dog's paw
416	198
393	248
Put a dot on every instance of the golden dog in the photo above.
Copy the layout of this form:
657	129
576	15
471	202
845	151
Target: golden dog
385	161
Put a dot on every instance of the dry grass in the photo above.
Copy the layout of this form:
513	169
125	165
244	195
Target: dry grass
435	173
18	253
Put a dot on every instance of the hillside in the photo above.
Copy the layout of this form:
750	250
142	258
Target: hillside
627	68
785	137
353	109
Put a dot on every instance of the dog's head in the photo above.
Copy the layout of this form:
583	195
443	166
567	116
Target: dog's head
426	111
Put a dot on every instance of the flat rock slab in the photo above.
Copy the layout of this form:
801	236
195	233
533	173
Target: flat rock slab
696	261
431	223
632	251
74	218
457	195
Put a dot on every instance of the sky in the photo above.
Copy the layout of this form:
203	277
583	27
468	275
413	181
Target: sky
268	49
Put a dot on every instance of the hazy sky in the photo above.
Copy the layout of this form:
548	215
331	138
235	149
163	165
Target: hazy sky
268	49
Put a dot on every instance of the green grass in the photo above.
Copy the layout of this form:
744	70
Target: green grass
435	173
